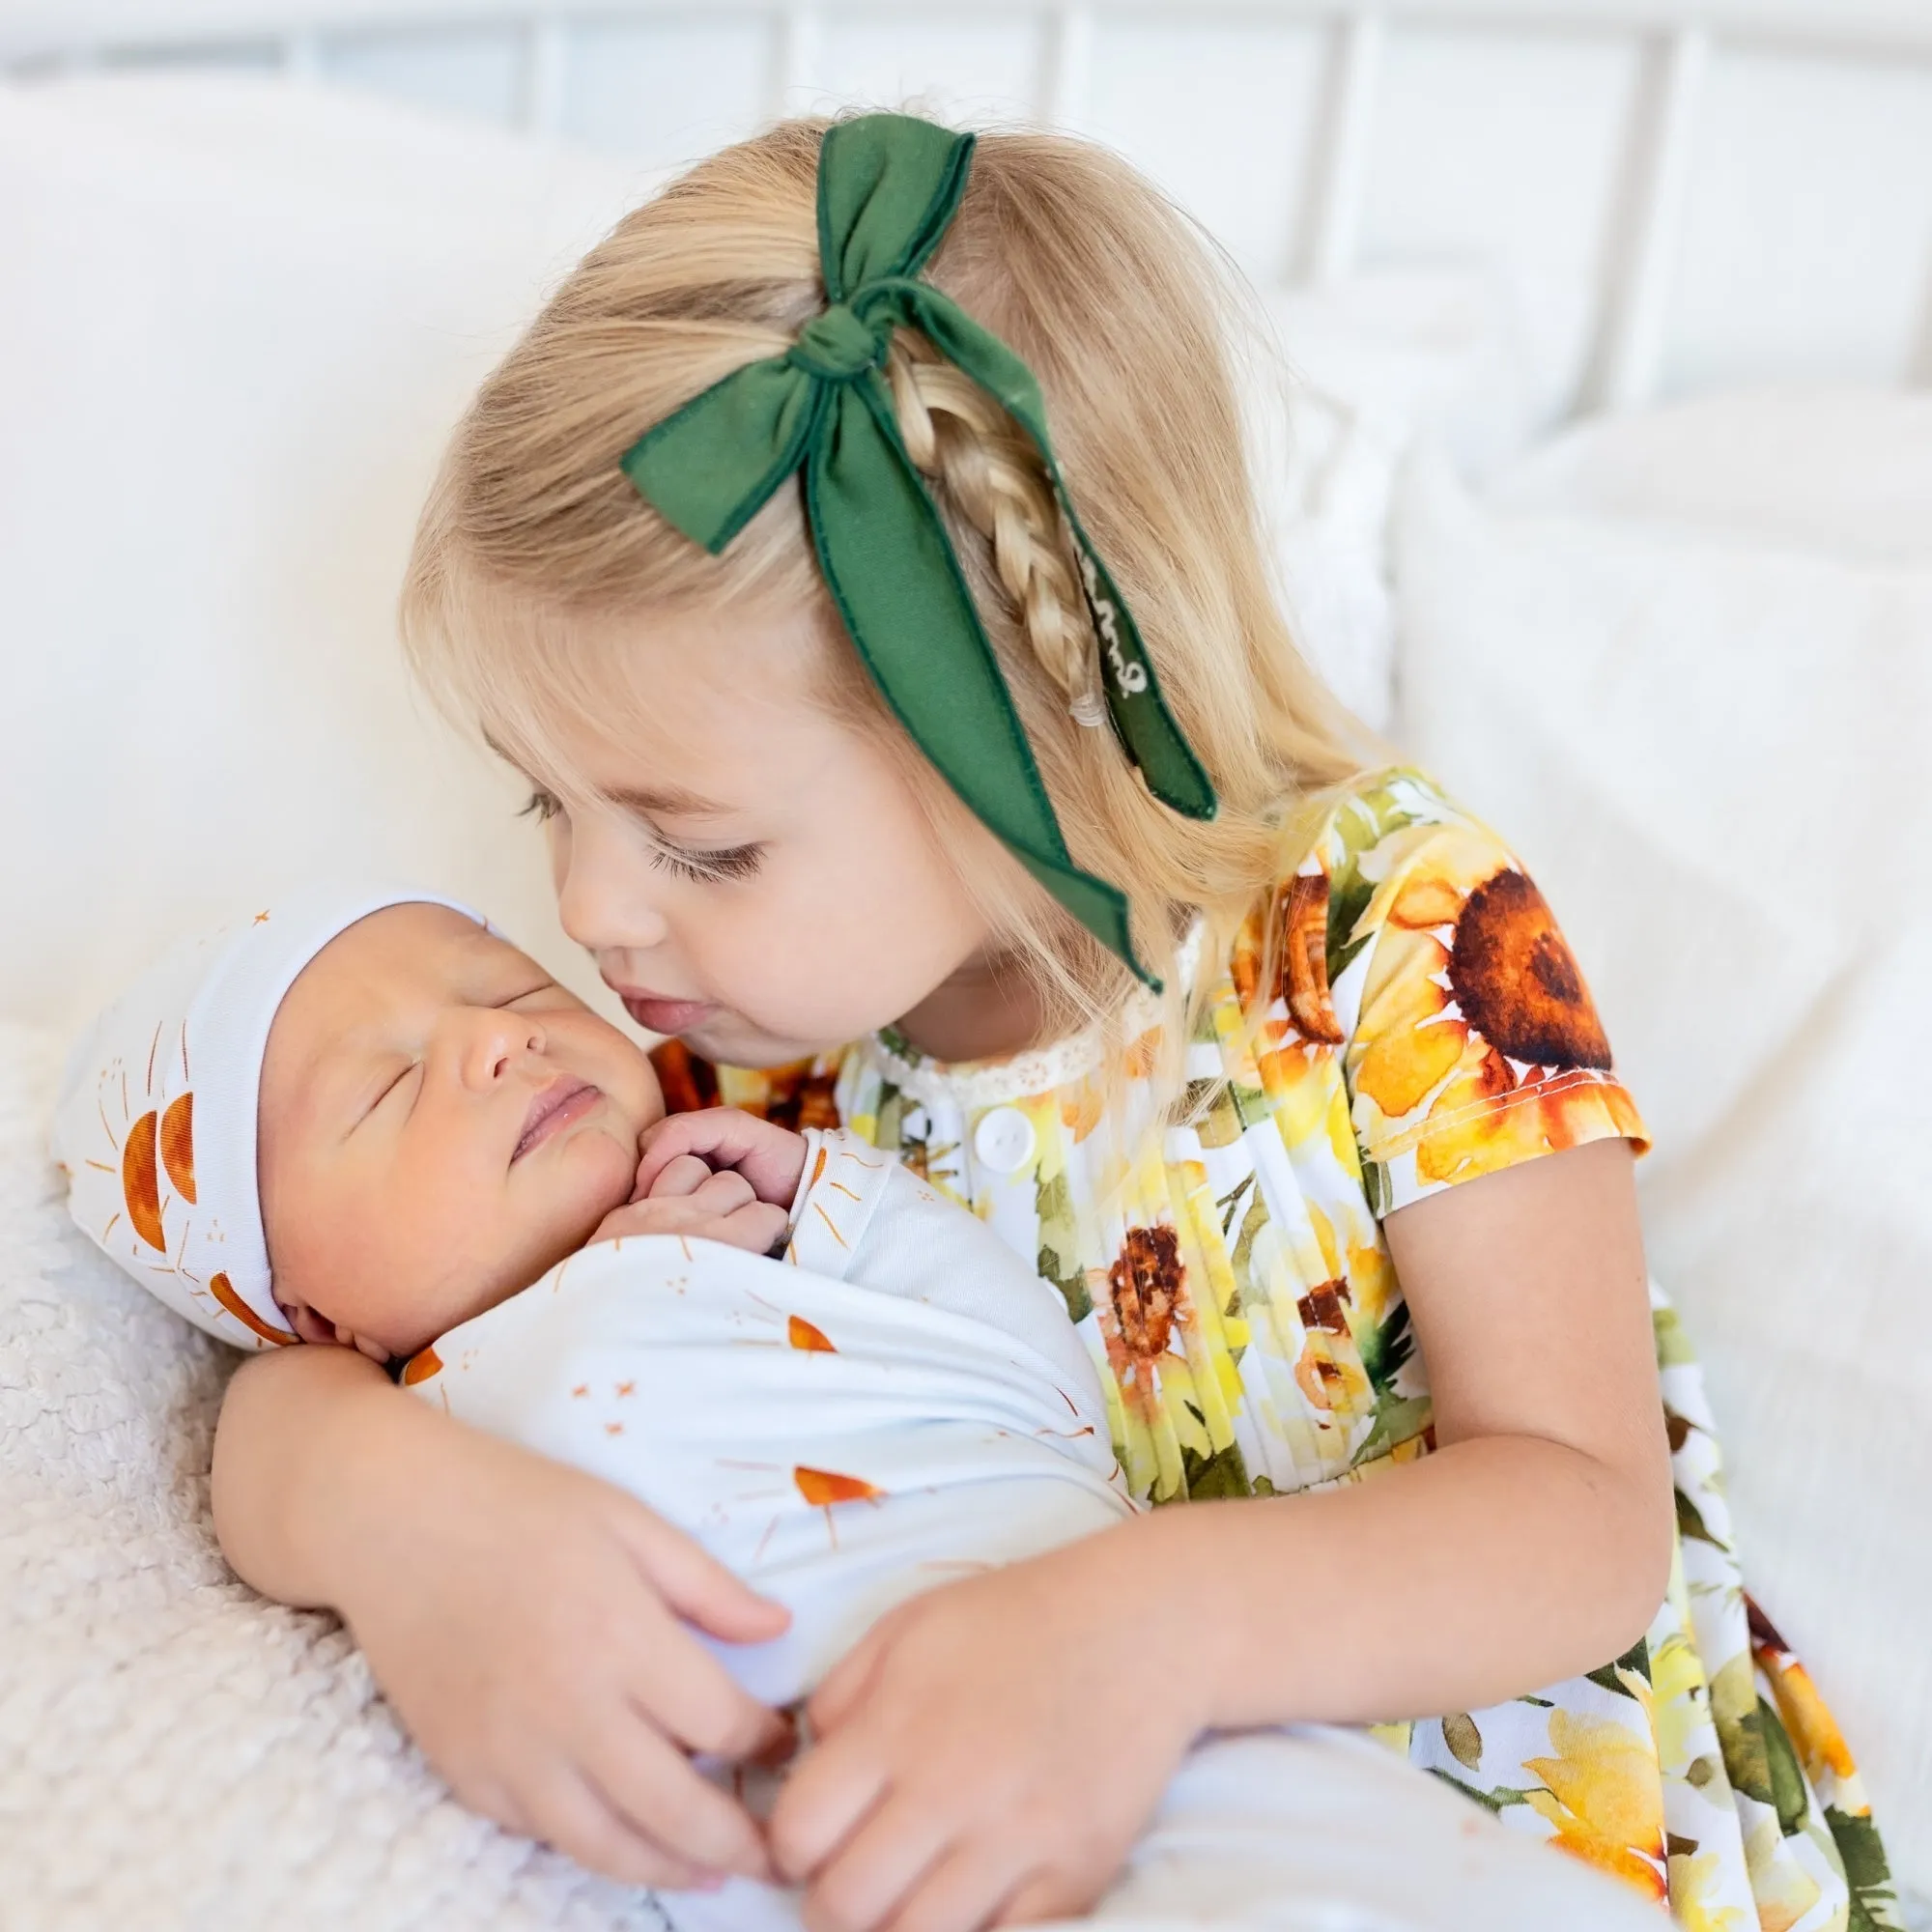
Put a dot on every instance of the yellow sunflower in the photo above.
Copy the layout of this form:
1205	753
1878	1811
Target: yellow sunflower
1285	941
1146	1300
1695	1879
1483	1046
1604	1797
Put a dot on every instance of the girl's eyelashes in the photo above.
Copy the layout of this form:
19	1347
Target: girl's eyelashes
738	861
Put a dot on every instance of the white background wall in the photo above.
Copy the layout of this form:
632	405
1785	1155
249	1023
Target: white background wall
1793	236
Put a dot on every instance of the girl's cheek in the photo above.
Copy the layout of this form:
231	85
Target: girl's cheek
556	836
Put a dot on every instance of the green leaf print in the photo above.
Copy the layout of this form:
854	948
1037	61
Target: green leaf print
1210	1477
1787	1779
1230	1203
1385	1348
1674	1345
1397	1418
1635	1660
1058	1244
1734	1708
1376	1185
1240	1262
1360	825
1071	1282
1492	1802
1691	1522
1342	957
1874	1903
890	1114
1209	1106
1463	1739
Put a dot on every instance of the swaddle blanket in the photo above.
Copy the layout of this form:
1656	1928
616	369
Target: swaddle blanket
899	1403
902	1404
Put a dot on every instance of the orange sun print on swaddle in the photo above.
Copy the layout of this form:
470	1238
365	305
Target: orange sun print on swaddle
823	1488
806	1335
799	1333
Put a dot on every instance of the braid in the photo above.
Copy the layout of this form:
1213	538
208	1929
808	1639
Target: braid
957	434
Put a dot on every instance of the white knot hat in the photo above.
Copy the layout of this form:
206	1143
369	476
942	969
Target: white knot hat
155	1125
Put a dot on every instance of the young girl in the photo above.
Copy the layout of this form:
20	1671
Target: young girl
988	751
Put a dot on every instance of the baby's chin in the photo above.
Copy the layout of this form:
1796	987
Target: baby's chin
604	1177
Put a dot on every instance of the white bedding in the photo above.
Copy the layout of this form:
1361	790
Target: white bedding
1707	734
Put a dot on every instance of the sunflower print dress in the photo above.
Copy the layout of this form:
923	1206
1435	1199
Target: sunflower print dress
1426	1024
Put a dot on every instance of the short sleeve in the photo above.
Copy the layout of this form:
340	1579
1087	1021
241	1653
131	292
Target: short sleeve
1474	1041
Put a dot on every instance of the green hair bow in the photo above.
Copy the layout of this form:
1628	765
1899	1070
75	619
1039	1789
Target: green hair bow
888	188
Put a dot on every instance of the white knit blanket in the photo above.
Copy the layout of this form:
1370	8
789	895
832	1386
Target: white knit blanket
178	1755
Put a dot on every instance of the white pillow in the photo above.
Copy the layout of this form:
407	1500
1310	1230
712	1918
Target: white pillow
1709	751
1342	380
241	319
1847	471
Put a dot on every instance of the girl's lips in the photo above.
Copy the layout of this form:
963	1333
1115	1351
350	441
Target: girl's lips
559	1105
666	1016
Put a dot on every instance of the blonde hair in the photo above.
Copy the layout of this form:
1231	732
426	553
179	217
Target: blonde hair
1121	311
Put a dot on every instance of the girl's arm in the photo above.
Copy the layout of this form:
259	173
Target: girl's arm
993	1748
1535	1544
524	1618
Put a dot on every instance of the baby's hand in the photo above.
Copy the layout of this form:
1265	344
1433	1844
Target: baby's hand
771	1158
687	1198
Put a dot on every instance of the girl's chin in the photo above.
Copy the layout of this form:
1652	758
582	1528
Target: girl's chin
730	1041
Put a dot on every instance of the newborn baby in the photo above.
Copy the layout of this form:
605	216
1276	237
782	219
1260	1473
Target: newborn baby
366	1118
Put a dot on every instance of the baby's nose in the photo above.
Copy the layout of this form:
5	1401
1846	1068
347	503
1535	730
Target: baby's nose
496	1042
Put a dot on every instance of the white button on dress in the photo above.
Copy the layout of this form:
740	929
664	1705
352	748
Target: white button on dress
1003	1140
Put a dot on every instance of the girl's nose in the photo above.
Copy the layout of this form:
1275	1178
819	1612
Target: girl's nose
490	1042
605	896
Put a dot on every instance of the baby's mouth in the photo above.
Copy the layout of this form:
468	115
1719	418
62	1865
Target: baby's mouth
559	1105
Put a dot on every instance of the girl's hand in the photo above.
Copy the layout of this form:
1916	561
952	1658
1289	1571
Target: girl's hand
528	1622
989	1753
769	1157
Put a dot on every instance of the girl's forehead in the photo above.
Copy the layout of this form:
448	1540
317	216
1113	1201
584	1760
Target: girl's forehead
684	716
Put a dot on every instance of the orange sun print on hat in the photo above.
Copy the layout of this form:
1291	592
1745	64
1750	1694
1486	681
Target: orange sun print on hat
157	1144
